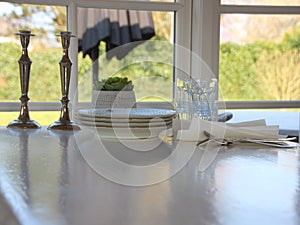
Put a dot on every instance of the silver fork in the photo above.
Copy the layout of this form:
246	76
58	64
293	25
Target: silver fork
279	143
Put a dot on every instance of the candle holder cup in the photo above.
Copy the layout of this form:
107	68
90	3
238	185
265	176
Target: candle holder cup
24	120
64	122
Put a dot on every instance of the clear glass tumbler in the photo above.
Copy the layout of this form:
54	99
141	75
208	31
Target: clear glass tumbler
183	99
204	99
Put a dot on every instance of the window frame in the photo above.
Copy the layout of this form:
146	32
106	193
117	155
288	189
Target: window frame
197	29
182	9
213	17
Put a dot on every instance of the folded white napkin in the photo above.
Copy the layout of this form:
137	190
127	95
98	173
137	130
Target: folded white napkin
194	130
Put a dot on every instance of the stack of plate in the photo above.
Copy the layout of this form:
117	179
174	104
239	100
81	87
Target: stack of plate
126	123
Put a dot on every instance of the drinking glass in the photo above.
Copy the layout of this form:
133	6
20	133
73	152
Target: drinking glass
204	99
183	99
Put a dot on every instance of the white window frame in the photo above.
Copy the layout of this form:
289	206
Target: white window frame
197	30
206	41
183	35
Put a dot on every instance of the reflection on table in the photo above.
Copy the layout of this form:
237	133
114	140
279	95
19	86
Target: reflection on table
45	178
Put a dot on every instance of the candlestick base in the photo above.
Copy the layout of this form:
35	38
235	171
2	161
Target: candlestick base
63	125
28	124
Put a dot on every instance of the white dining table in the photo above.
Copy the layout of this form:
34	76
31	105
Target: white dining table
66	178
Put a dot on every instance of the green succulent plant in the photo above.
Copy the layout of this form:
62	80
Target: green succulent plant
114	84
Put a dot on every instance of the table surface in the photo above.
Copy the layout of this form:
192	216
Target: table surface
62	178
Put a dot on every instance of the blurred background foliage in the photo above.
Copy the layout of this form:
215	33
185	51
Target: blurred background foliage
44	76
149	66
261	70
266	69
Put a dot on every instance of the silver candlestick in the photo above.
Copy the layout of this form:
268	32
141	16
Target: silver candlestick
24	120
64	122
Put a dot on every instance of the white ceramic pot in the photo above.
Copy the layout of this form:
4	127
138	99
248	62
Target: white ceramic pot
113	99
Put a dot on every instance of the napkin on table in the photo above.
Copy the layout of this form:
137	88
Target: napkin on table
256	129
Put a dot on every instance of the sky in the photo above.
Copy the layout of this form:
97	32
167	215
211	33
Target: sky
36	18
8	8
5	7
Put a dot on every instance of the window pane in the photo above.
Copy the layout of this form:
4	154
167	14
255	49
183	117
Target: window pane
44	50
147	60
259	57
261	2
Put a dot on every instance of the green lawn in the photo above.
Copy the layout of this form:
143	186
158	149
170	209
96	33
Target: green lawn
43	118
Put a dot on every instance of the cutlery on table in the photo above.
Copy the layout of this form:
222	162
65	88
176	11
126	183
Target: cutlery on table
279	143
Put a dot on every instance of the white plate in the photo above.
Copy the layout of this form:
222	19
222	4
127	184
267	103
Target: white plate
124	120
132	125
134	113
128	133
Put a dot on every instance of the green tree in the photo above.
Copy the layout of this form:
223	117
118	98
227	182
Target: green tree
9	76
44	77
151	78
261	70
52	19
278	75
291	39
26	13
236	73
